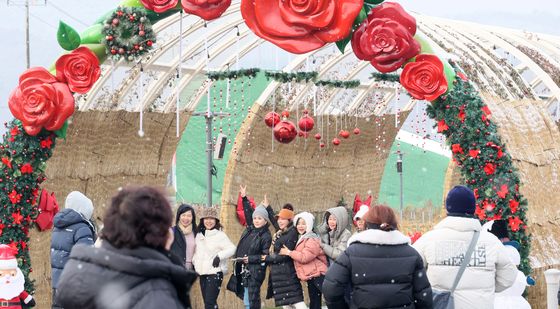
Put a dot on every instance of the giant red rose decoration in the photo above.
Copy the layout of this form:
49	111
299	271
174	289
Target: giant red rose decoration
159	6
206	9
424	79
79	69
300	26
386	37
40	101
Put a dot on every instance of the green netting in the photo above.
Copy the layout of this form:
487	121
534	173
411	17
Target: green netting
423	177
191	154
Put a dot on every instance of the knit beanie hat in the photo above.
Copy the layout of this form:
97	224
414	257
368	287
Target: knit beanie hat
286	214
261	212
80	203
460	201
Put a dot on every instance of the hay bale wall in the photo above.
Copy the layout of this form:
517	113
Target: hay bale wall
101	153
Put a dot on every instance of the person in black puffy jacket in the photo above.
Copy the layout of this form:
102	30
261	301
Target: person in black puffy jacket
382	268
71	226
133	268
253	244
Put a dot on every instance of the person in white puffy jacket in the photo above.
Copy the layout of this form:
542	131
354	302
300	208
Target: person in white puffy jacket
489	270
512	298
213	248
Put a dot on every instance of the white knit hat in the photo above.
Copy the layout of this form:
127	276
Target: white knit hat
7	257
80	203
361	212
308	218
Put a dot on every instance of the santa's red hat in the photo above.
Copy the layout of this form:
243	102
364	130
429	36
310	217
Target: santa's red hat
7	257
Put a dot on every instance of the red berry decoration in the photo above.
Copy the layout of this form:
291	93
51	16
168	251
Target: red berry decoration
115	21
113	51
285	131
306	123
150	43
109	38
357	131
317	136
141	33
271	119
336	141
344	134
285	114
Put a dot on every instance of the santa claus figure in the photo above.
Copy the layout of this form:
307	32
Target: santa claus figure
12	293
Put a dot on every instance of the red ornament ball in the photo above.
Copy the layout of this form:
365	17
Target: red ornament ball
109	38
115	21
286	114
336	141
306	123
303	134
113	51
317	136
285	131
141	33
121	51
344	134
357	131
271	119
149	43
322	145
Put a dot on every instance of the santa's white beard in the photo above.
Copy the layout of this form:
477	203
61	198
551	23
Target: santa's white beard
14	288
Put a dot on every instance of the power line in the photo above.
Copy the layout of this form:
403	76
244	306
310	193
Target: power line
67	14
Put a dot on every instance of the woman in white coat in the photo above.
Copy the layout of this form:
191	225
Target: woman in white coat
213	248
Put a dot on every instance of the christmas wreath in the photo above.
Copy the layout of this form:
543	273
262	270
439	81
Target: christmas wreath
128	33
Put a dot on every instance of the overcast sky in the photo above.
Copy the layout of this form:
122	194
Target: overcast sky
535	15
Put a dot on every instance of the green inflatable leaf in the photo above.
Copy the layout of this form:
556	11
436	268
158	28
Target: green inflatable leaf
373	1
357	22
67	37
62	131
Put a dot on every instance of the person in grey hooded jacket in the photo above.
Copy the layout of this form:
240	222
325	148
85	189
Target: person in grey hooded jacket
334	232
71	226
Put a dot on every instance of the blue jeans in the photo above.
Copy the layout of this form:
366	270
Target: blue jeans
246	298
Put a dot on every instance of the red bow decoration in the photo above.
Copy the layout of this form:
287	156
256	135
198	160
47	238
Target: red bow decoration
48	207
240	213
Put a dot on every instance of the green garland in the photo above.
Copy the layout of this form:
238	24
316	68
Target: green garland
128	33
385	77
218	75
284	77
338	83
22	170
486	167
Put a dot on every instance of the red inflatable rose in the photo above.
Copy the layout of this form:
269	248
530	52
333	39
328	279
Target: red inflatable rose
386	37
206	9
300	26
79	69
424	79
40	101
159	6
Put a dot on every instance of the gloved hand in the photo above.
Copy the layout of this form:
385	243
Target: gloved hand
216	262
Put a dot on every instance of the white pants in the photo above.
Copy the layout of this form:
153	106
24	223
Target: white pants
300	305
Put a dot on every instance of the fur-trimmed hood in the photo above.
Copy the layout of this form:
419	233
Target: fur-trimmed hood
379	237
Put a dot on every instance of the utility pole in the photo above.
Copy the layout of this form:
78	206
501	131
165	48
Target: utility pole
26	4
400	171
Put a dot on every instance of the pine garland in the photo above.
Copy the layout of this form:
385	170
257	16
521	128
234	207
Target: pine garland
298	77
347	84
22	170
385	77
485	165
221	75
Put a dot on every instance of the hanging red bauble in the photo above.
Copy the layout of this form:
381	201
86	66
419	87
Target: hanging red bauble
336	141
317	136
303	134
306	123
271	119
322	145
285	114
285	131
344	134
357	131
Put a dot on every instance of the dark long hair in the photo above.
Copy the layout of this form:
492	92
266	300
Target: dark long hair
181	210
202	228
